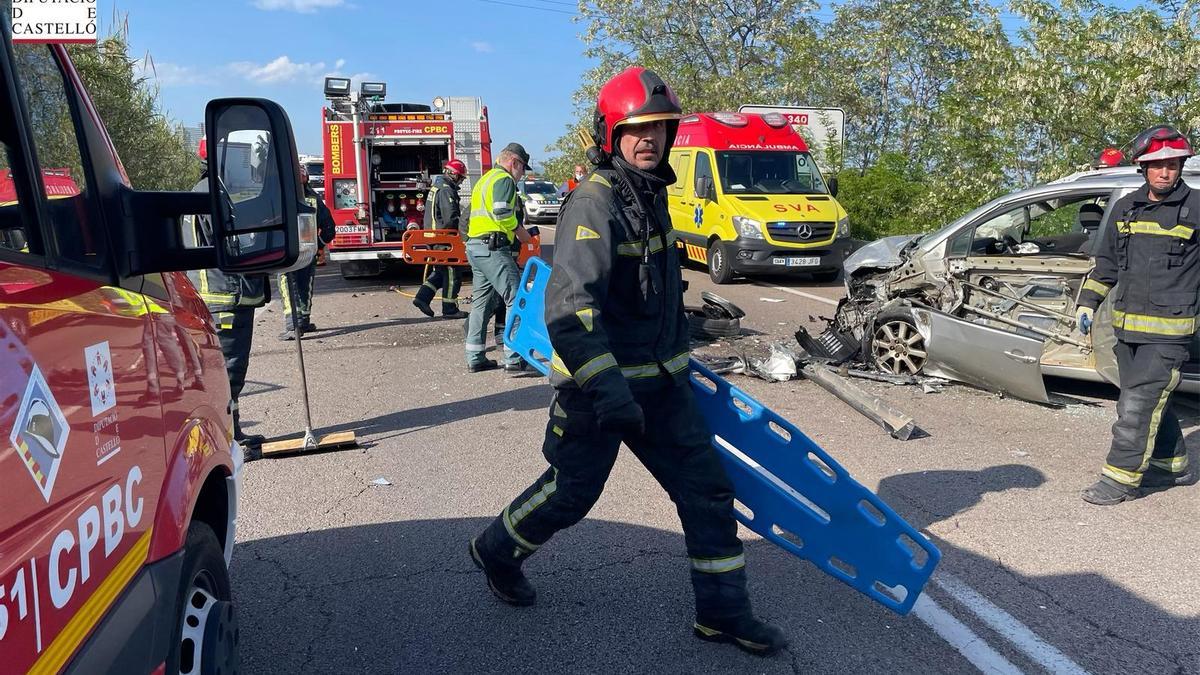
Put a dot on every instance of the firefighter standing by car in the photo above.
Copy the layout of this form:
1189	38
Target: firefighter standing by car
232	299
297	319
614	312
493	228
1151	255
443	212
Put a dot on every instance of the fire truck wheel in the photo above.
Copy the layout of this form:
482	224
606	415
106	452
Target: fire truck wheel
207	632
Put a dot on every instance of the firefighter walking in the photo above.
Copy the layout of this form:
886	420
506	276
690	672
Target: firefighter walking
614	312
492	230
443	212
1151	255
297	318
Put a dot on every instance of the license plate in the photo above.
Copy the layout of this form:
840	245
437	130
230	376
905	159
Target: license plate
803	262
350	229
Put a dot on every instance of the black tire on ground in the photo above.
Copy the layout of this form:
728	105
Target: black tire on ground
204	578
719	268
825	277
702	327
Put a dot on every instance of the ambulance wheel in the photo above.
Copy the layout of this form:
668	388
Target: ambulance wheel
207	635
719	268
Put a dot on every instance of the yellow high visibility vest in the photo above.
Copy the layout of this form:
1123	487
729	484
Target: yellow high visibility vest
483	218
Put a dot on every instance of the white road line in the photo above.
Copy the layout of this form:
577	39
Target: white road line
962	638
802	294
1008	626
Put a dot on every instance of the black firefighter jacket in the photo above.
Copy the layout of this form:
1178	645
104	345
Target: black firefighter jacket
614	302
443	210
1151	253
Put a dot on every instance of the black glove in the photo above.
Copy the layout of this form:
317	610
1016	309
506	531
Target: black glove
625	419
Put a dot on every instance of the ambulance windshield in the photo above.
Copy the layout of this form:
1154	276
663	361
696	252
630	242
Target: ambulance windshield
759	172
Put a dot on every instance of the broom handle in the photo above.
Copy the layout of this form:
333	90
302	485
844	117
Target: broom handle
310	439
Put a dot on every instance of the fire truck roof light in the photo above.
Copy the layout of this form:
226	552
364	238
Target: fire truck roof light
374	89
439	103
337	87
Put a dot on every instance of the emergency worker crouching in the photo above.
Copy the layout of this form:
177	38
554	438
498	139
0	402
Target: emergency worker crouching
614	312
1150	253
443	212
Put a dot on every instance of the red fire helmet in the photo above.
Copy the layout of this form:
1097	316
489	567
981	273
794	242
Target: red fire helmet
1160	142
456	167
634	96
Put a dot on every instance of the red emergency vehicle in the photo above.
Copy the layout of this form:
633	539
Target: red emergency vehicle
382	158
120	476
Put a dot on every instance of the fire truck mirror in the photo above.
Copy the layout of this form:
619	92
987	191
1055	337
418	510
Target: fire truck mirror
260	219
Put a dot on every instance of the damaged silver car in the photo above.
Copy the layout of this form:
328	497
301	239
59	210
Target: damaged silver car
990	299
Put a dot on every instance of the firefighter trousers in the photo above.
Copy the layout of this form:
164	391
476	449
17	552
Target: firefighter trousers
1147	431
302	281
494	279
235	330
677	450
448	280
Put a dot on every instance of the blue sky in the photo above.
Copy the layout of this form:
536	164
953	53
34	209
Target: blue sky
523	63
523	57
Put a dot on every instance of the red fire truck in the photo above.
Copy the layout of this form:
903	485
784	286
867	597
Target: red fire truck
382	158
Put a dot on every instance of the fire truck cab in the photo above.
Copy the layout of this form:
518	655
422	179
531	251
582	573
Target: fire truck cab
119	469
380	161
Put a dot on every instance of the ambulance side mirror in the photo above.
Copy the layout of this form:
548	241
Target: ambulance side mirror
833	186
706	189
260	220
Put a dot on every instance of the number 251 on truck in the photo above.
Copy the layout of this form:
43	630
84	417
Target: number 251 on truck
119	470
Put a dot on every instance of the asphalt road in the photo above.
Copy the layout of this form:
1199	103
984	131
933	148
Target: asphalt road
336	573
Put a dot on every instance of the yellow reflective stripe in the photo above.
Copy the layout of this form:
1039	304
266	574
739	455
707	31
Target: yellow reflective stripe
558	431
1155	325
283	290
583	233
535	500
644	370
597	178
677	363
1156	418
594	367
1131	478
558	410
1096	287
1148	227
718	565
512	532
1170	464
431	206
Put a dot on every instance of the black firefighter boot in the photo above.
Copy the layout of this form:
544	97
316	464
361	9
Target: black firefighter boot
1108	492
505	579
422	300
723	614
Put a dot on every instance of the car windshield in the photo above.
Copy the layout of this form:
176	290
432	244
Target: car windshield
540	187
316	169
769	172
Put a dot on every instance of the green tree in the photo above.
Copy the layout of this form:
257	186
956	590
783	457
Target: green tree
152	147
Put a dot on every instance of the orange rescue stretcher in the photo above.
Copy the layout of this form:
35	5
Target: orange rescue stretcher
433	247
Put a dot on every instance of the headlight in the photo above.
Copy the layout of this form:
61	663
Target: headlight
843	227
748	227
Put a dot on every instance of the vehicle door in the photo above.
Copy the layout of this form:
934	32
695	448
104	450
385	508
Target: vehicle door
1019	267
81	452
682	202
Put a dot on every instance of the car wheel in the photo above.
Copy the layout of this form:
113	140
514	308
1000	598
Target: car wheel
206	635
897	346
719	269
703	327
